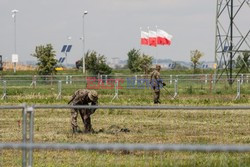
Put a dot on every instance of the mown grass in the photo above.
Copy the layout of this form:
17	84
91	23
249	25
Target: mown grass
150	126
130	126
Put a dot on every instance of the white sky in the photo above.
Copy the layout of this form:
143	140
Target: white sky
111	27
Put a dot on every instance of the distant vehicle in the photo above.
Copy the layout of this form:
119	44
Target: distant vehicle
1	63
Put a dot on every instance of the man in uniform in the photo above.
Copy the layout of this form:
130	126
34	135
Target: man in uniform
83	97
156	83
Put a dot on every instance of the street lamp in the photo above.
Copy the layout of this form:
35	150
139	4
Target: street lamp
66	55
14	56
83	42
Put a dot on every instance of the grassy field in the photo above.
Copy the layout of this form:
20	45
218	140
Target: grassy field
130	126
150	126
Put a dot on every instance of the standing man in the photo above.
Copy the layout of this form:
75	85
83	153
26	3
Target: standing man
156	83
83	97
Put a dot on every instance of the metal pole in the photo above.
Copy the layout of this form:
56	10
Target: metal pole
59	96
83	43
24	131
231	45
14	13
4	90
30	110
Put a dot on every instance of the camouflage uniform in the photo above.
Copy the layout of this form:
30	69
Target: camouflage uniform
83	97
156	83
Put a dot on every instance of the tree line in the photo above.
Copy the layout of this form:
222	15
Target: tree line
96	63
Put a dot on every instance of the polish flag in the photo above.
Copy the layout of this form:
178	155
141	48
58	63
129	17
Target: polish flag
152	38
144	38
163	38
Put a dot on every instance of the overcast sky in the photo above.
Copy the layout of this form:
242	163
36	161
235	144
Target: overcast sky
111	27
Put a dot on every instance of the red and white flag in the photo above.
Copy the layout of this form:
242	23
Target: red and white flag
163	38
144	38
152	38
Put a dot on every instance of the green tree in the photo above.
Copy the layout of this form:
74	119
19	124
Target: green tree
146	63
134	60
95	63
46	59
242	62
139	63
195	58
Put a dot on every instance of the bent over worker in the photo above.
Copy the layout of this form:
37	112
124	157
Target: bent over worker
156	83
83	97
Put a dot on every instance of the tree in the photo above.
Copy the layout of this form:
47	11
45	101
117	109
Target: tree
242	62
95	63
195	58
139	63
46	59
134	60
146	63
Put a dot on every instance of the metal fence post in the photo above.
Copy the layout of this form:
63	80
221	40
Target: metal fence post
4	91
206	79
67	77
106	79
33	83
28	139
116	90
30	110
70	79
100	80
59	96
24	132
175	88
242	78
238	89
135	79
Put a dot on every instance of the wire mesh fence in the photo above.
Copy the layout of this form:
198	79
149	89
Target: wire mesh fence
127	136
181	86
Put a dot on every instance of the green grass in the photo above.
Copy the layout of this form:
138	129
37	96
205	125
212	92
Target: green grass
144	126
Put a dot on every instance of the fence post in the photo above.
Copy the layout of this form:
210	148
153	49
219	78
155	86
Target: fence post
206	79
171	79
116	90
59	96
135	80
24	133
238	89
70	79
67	77
28	134
4	91
247	78
106	79
242	78
33	83
175	88
100	80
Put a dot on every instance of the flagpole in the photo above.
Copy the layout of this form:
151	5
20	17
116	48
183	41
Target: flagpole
140	39
156	44
149	36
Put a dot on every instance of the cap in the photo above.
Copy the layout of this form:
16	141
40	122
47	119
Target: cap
93	95
158	66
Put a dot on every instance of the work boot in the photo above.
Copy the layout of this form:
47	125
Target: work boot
76	130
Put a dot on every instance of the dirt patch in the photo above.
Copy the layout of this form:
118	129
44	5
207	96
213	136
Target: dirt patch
114	129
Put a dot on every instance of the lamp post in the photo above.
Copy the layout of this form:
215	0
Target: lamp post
14	56
83	42
66	55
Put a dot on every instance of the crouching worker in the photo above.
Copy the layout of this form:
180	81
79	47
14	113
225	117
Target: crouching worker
83	97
